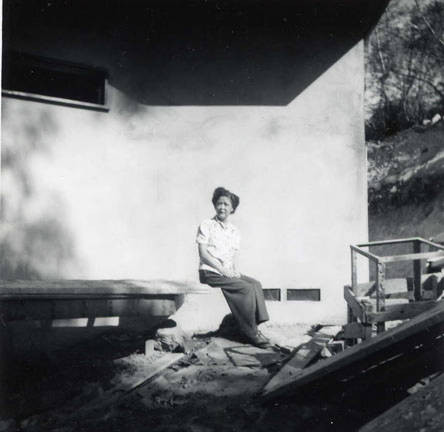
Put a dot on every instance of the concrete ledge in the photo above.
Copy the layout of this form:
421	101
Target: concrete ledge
95	288
202	312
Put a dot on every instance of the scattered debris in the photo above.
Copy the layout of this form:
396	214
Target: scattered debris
172	339
420	332
301	357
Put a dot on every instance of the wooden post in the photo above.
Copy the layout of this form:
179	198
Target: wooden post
354	283
380	294
417	270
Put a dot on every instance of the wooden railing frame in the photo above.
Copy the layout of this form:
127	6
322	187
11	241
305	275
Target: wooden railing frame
381	261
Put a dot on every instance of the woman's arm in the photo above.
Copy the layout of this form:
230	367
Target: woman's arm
207	258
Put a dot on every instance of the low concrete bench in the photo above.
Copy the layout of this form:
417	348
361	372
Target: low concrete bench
202	313
89	299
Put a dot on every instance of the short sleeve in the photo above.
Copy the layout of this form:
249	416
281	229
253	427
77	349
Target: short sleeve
203	233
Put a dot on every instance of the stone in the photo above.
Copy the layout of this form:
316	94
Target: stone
171	339
150	346
436	118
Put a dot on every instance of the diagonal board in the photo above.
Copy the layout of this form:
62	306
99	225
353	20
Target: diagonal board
424	410
301	357
427	325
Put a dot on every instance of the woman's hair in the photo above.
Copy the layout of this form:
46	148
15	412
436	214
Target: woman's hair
220	191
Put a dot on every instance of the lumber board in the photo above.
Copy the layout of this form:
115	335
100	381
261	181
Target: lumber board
67	288
423	410
299	359
389	242
356	331
429	324
369	255
404	240
400	311
410	257
356	307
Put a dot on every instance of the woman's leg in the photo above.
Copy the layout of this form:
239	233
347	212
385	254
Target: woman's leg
261	309
241	298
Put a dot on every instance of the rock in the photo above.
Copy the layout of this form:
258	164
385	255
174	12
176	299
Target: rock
436	118
150	346
172	339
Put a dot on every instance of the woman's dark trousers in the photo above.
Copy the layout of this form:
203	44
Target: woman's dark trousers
244	296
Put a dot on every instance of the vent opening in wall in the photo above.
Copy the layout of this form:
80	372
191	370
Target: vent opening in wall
304	294
53	81
272	294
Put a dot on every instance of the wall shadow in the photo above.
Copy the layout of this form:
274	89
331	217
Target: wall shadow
35	241
195	52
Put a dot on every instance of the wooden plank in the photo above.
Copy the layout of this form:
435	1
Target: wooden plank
369	255
299	359
355	331
400	311
432	243
353	303
389	242
417	267
155	369
96	288
410	257
428	324
423	410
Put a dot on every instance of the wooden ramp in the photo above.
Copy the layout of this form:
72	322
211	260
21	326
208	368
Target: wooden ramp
423	329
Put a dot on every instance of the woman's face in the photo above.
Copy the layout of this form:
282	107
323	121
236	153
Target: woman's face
223	207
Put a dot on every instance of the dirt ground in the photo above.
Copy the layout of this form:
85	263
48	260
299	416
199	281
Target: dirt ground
101	385
110	384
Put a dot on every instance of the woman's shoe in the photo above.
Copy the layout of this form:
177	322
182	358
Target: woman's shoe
258	340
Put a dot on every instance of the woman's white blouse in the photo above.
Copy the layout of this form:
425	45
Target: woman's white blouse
223	240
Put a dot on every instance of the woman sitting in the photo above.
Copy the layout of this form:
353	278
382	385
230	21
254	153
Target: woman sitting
218	242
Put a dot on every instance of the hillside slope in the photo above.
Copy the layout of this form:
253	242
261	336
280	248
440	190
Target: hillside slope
406	188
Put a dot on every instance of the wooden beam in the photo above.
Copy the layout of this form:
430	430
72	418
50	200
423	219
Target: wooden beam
400	311
355	331
353	303
299	359
410	257
389	242
429	324
369	255
414	413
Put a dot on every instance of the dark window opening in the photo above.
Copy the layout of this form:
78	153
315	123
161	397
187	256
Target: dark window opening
273	294
48	80
304	294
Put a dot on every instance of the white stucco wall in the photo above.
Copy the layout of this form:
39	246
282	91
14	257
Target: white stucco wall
128	188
